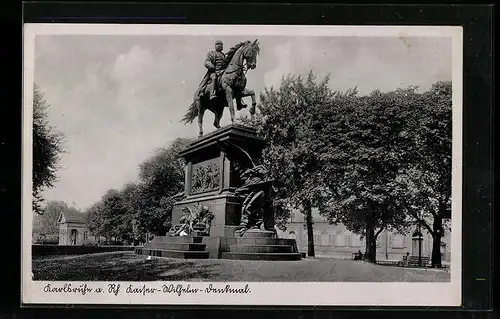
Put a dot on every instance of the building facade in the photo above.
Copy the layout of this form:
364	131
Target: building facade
336	241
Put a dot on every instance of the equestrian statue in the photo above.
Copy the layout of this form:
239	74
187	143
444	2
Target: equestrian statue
224	81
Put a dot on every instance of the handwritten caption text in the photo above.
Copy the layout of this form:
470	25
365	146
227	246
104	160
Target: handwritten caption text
146	289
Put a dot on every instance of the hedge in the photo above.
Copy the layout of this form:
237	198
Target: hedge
41	250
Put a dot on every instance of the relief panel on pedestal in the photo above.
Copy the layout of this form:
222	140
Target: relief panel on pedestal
205	176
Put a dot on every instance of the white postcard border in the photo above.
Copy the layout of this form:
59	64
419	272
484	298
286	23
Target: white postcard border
262	293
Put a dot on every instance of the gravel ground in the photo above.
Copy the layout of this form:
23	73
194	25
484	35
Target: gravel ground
125	266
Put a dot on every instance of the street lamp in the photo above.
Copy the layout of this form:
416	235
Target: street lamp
386	244
417	238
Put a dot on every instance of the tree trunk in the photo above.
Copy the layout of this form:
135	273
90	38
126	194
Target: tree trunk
371	243
310	233
437	235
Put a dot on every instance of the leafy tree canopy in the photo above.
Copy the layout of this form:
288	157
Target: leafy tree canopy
145	206
47	147
46	223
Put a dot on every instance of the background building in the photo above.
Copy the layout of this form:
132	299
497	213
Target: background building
337	241
73	229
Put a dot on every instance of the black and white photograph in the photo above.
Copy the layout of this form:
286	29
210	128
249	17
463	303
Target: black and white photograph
242	164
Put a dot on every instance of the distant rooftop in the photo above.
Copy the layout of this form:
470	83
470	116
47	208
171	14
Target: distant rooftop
73	217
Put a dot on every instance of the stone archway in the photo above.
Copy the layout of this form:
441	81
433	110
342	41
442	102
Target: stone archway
73	237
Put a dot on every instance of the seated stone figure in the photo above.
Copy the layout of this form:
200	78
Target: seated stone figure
196	221
176	230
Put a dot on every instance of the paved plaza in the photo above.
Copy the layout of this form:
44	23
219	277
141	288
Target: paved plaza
125	266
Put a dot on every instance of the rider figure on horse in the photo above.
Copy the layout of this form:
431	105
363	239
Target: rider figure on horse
225	73
215	63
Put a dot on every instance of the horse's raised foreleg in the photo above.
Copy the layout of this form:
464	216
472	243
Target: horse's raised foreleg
201	112
251	93
229	98
239	101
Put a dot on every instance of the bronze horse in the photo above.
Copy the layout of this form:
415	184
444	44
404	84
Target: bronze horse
232	86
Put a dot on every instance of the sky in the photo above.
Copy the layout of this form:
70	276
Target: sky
118	98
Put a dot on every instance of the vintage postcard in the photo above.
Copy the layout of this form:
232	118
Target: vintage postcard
242	165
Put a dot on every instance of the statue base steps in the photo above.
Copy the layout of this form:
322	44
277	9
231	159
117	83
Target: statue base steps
257	233
179	254
262	256
182	247
258	241
176	239
259	244
254	245
177	246
241	249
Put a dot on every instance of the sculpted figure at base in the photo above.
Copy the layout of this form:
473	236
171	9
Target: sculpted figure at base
224	82
198	219
257	209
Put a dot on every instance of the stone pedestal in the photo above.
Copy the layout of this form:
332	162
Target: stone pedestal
213	166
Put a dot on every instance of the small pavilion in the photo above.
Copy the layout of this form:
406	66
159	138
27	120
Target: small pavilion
73	229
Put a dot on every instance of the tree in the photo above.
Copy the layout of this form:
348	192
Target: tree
111	217
131	198
363	148
118	215
149	214
425	185
368	162
163	172
47	147
288	157
145	207
161	178
46	223
94	220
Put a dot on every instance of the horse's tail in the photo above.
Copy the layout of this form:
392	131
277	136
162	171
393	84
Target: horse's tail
192	113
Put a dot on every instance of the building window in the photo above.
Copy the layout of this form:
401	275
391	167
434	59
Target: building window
317	240
340	240
347	240
85	236
325	239
331	240
398	241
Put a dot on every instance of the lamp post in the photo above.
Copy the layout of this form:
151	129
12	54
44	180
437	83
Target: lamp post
386	244
417	237
419	246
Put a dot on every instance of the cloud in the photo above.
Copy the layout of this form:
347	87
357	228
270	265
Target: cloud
132	66
283	55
